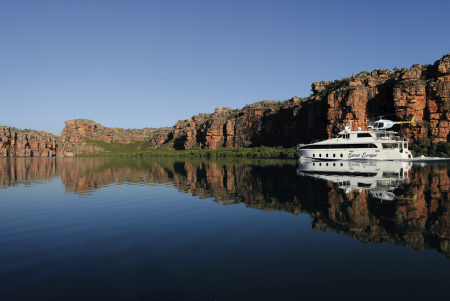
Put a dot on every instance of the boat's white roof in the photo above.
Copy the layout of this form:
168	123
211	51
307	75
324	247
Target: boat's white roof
353	139
346	131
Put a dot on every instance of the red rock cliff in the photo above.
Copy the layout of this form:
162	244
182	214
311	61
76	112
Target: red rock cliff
422	91
26	143
78	130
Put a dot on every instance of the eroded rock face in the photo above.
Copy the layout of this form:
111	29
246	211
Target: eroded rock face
422	91
80	129
266	123
26	143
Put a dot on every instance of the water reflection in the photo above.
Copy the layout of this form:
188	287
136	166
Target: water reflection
380	178
417	214
26	171
378	202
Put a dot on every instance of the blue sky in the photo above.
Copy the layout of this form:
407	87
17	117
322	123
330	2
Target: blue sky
136	64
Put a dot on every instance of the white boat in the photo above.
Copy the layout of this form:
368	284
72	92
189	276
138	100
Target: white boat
358	145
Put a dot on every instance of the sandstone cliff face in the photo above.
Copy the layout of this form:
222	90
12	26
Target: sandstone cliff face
78	130
26	143
269	123
422	91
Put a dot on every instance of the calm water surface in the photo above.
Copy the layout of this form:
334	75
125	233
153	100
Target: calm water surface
169	229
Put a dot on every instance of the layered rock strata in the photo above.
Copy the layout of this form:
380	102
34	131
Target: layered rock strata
26	143
81	129
422	91
77	131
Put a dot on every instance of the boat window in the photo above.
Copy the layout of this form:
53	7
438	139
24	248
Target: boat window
364	135
326	155
334	155
389	145
386	135
342	156
320	155
314	155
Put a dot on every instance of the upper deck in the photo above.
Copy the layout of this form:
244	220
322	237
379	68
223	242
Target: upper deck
365	136
358	139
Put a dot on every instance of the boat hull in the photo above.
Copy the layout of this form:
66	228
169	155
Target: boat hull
343	154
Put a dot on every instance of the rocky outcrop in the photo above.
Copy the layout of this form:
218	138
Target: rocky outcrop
269	123
80	129
27	143
422	91
77	131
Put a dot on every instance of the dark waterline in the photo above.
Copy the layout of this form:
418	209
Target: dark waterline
166	229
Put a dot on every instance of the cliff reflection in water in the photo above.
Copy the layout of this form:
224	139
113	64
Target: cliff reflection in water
371	202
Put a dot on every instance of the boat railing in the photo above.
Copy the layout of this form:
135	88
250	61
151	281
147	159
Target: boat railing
393	138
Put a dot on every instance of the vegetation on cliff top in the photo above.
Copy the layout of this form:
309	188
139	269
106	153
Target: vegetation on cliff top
266	104
337	84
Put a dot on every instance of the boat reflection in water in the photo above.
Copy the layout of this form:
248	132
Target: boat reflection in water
379	178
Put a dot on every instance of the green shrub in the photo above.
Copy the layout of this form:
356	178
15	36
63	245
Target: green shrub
335	85
440	149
